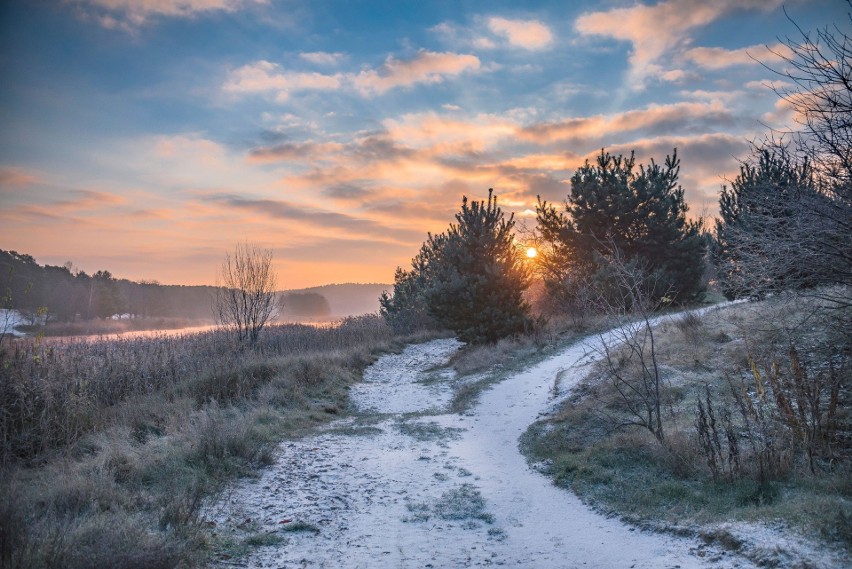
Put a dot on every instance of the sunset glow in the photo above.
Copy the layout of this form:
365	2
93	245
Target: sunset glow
147	138
532	253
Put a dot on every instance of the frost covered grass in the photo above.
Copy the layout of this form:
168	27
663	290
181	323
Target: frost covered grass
461	503
776	450
430	431
110	448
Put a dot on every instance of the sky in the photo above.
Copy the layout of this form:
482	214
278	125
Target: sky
148	137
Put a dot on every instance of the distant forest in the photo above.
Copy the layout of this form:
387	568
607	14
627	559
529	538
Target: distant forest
65	294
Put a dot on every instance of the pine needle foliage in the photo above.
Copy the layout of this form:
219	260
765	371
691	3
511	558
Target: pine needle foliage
469	279
617	207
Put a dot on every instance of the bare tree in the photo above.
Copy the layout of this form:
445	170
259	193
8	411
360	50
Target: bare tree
246	298
787	218
629	350
818	87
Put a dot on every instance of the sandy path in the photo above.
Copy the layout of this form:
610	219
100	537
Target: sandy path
417	487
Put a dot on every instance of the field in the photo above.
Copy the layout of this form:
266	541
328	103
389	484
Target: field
111	450
108	448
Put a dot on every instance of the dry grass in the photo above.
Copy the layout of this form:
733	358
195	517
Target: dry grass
770	460
109	448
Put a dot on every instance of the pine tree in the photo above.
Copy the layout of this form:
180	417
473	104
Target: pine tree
469	279
639	213
405	310
772	234
476	288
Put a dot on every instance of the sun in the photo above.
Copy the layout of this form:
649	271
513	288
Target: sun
531	253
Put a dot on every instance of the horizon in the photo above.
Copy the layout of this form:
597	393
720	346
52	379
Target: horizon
75	268
147	139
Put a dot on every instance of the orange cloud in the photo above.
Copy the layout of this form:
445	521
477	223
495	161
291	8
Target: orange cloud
716	58
548	162
308	151
652	117
528	34
264	76
128	14
318	218
12	177
432	130
423	162
426	67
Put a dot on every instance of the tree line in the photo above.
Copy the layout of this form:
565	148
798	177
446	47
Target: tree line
65	294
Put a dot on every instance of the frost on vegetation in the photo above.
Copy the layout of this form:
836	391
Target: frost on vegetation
300	526
415	390
463	503
431	431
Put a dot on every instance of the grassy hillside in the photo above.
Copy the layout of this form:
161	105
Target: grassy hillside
756	424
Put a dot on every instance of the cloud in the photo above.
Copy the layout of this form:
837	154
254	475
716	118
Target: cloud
358	251
715	58
527	34
427	67
677	76
130	14
318	218
493	32
765	85
323	57
727	97
68	206
12	177
653	119
295	151
348	192
421	163
446	134
92	199
266	77
656	30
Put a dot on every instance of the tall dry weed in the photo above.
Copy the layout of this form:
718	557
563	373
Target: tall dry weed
116	443
52	393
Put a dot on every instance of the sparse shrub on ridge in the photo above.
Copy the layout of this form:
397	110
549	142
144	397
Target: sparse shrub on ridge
758	421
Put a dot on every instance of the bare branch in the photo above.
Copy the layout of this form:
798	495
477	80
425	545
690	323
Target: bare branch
246	299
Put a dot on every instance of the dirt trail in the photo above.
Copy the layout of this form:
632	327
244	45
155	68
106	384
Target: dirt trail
404	483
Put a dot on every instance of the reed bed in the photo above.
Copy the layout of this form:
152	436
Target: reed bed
51	392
